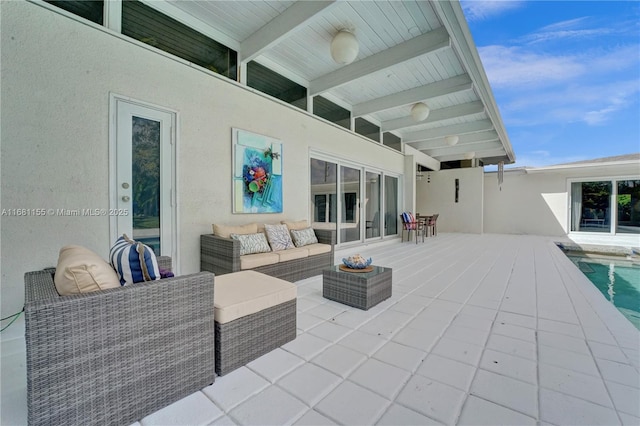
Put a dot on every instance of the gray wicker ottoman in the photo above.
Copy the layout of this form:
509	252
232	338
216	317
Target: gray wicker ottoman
254	314
358	289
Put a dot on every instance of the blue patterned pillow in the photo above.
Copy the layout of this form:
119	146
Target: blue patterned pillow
252	243
134	262
279	237
304	237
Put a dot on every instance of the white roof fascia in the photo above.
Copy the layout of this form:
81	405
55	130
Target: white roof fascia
452	17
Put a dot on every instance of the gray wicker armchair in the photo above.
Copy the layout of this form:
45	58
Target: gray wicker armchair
117	355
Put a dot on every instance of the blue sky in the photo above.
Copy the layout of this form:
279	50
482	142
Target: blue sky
565	75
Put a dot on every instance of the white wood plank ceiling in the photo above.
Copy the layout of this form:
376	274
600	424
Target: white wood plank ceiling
410	51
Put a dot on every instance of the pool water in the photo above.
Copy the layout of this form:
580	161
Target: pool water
617	280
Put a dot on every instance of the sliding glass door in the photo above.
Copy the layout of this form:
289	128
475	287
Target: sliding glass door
373	200
605	206
350	207
628	206
365	201
391	200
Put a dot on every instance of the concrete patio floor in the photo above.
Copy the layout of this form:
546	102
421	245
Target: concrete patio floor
481	329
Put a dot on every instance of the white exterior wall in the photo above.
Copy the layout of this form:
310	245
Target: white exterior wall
537	202
527	204
57	77
438	196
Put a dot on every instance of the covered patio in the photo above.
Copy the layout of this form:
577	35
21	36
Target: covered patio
480	329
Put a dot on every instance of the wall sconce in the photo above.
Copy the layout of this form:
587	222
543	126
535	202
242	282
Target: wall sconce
344	47
420	112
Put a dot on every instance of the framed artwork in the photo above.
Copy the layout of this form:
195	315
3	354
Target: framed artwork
257	173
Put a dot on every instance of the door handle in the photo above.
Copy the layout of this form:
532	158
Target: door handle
126	198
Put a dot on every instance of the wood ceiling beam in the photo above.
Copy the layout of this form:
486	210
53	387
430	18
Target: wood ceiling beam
430	42
294	17
436	115
462	149
440	132
489	135
482	155
439	88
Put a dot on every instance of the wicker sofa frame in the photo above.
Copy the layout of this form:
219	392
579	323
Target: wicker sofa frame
222	256
242	340
117	355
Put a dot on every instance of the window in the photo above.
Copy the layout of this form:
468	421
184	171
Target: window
628	206
91	10
606	206
149	26
329	111
392	141
269	82
367	129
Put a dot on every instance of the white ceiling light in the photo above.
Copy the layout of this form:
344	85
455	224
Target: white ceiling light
469	155
344	47
451	140
420	112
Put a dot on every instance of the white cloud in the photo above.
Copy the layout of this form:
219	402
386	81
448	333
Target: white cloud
515	66
478	10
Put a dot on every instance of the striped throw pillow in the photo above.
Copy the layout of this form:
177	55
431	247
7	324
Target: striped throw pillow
133	261
304	237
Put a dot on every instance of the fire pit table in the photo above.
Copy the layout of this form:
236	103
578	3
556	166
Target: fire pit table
359	288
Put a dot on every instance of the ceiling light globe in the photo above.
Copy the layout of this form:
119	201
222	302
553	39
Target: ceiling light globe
420	112
451	140
344	47
469	155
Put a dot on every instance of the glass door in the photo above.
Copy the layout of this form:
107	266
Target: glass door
144	170
391	214
628	197
372	204
349	227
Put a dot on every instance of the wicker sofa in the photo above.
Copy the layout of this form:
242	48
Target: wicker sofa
115	356
221	255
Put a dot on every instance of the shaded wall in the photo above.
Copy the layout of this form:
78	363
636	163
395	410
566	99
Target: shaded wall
437	195
57	76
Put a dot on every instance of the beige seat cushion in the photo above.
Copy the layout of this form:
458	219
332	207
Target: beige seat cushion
250	261
80	270
246	292
294	253
300	224
318	248
226	231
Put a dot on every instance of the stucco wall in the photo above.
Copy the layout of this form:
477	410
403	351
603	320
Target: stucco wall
527	204
57	76
537	202
438	196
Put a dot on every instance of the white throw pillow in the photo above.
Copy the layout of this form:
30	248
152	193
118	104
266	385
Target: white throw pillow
278	236
304	237
252	243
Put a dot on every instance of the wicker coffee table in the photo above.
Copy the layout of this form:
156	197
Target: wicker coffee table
358	289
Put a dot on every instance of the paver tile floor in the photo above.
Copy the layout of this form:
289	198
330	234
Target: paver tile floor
480	329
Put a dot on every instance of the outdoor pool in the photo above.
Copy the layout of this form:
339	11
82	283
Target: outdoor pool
617	279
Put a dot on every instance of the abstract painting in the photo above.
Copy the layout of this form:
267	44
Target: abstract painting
257	173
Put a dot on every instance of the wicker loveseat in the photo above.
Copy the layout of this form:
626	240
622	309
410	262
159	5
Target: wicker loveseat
115	356
221	255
